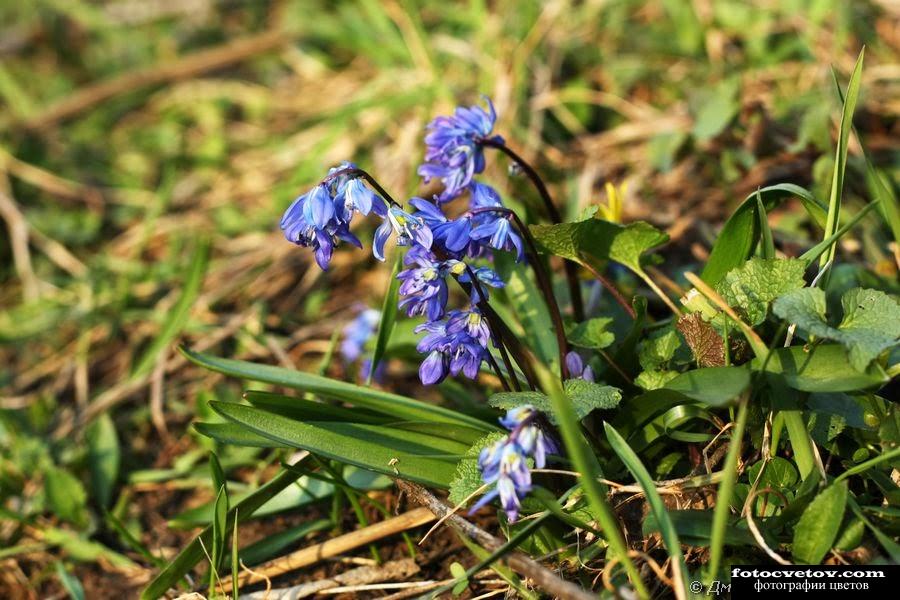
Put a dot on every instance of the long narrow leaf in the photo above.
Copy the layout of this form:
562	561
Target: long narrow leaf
388	318
386	403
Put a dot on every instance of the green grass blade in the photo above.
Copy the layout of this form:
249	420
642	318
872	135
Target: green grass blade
725	492
585	463
840	161
178	315
768	244
393	405
193	553
657	507
388	318
819	249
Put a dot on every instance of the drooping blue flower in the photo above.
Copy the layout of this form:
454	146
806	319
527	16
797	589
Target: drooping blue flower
490	227
450	352
408	228
504	464
525	430
358	332
472	323
577	368
311	221
454	151
451	235
321	217
423	286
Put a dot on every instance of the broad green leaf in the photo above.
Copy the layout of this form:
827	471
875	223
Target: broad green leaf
715	386
658	350
780	474
388	318
310	410
739	236
593	333
77	547
654	380
65	495
104	457
178	567
406	454
657	506
467	478
871	322
819	525
751	287
720	105
821	368
178	315
585	397
392	405
601	240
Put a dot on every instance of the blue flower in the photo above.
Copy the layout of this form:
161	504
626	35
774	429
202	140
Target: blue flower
451	352
522	421
358	332
450	235
505	465
311	221
454	151
472	323
493	226
577	368
320	218
424	286
408	228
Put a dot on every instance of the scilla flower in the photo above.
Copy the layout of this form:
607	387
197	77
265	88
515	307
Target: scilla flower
320	218
454	151
358	332
408	228
577	368
505	465
449	235
492	228
311	221
424	286
450	352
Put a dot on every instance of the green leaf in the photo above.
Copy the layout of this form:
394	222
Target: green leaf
419	457
310	410
593	333
104	457
194	553
819	525
657	506
177	316
392	405
658	350
388	318
755	284
585	397
219	531
739	236
719	107
694	527
529	307
235	435
78	548
871	322
714	386
467	478
840	160
822	368
654	380
65	495
218	474
69	582
601	240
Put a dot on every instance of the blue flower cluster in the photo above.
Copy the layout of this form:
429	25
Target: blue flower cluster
456	341
320	218
504	464
355	335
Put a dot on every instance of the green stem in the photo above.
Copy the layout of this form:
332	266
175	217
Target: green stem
725	492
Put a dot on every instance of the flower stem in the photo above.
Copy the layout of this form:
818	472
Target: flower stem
543	282
611	288
496	338
552	213
362	173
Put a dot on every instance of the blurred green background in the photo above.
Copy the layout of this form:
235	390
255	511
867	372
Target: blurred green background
147	150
